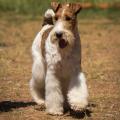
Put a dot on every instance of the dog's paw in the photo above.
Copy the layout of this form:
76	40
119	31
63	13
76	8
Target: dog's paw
54	112
79	106
40	106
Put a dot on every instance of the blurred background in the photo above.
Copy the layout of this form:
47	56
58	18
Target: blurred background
37	7
99	27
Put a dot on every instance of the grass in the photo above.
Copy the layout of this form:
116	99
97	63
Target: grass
111	14
29	9
100	61
37	7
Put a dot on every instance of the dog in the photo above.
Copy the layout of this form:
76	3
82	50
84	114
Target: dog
57	77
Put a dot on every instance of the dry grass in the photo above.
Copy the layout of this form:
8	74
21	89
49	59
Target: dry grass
100	60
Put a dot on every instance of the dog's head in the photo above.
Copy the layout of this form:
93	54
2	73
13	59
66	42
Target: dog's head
65	23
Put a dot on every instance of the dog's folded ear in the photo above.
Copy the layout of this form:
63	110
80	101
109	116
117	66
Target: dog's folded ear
77	7
55	5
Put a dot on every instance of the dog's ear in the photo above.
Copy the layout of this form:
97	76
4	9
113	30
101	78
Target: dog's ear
55	6
77	7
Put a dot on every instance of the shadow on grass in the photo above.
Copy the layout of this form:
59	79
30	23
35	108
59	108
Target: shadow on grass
6	106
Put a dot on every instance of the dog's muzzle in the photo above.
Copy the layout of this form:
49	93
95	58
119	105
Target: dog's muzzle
62	42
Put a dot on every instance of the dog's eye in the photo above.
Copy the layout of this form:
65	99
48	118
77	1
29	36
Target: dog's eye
67	18
56	18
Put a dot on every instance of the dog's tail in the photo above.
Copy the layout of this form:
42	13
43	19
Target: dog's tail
48	17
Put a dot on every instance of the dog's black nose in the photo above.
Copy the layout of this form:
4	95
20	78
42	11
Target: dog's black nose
59	34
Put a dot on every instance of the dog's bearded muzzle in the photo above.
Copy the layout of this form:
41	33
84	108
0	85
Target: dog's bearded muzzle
62	43
62	39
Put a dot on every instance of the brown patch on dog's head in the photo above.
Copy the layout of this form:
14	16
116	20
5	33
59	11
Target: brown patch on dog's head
67	12
70	7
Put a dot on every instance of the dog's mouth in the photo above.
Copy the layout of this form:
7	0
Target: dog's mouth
63	43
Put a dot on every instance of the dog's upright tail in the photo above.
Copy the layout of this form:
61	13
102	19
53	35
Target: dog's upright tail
48	17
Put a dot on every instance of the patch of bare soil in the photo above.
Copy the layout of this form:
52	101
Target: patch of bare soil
100	61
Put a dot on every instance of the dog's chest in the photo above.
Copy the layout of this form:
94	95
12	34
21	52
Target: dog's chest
54	58
62	62
62	66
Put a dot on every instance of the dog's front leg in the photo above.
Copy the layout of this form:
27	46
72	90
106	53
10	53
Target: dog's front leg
54	97
78	93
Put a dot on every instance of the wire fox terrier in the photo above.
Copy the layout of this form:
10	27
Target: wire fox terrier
57	77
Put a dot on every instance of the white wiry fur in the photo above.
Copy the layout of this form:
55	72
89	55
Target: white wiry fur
78	93
37	83
57	78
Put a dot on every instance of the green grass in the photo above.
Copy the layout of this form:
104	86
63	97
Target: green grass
31	9
24	6
111	14
98	13
38	6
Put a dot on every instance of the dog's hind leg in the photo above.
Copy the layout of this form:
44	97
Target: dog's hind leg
37	83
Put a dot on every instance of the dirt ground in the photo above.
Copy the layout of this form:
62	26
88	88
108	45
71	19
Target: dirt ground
100	61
